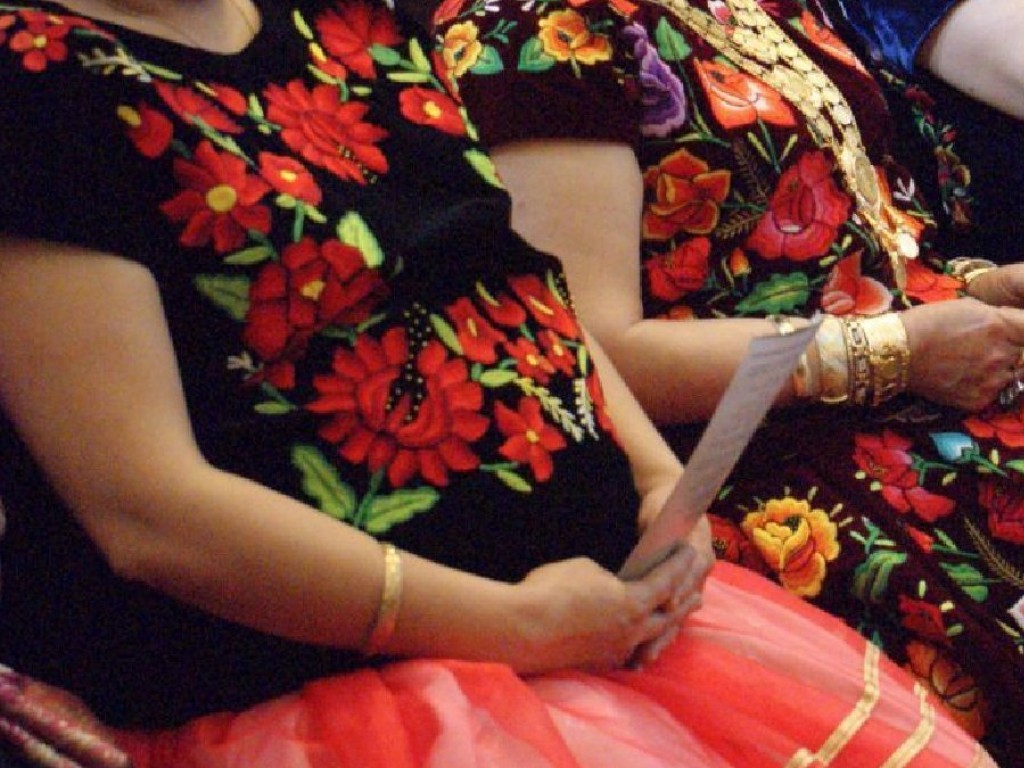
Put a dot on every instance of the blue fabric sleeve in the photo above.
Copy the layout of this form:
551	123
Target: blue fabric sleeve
894	30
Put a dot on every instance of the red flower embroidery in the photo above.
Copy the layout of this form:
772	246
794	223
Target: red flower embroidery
326	131
376	420
1005	506
546	308
42	40
193	108
476	335
924	620
232	99
947	680
504	310
290	177
828	41
530	439
349	31
804	213
596	392
732	545
428	107
737	99
560	356
885	460
1006	426
6	22
680	271
923	540
687	195
149	130
927	285
848	292
530	362
219	201
312	287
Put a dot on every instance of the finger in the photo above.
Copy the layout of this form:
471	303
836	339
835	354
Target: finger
649	652
658	586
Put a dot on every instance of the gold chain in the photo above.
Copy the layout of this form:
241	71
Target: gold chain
760	48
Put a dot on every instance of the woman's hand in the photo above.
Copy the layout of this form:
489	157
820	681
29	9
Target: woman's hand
1002	287
579	615
962	353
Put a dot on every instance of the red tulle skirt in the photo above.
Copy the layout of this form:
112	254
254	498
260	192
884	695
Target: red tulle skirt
757	678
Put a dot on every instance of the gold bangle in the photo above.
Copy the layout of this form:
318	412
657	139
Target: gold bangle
803	386
383	626
833	367
858	360
888	355
967	269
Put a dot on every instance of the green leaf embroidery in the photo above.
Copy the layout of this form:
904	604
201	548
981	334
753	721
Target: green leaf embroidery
384	512
780	293
321	481
409	77
532	57
352	230
489	62
386	57
273	408
230	293
514	481
672	46
419	61
871	579
483	165
969	578
497	378
1017	465
446	333
255	255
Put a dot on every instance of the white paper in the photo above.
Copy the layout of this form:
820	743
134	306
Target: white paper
769	362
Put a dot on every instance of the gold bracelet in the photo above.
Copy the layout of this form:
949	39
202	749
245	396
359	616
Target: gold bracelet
833	366
383	626
967	269
888	355
858	360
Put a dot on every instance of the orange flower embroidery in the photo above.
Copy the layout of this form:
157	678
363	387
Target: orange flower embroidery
737	99
565	36
461	49
687	196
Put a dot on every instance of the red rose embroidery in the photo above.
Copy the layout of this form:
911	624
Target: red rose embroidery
680	271
312	287
885	460
924	620
1006	426
1005	506
349	30
804	213
531	440
687	196
927	285
429	107
220	201
847	291
476	335
376	417
326	131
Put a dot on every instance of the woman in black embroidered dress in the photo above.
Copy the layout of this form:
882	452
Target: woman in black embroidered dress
260	306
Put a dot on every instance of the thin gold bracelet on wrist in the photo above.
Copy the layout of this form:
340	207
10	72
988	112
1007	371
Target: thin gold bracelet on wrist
383	626
833	365
858	360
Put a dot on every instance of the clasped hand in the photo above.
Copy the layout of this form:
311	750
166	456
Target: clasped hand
586	617
964	353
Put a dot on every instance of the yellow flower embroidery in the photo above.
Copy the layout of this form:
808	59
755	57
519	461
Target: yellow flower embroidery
795	540
564	35
462	48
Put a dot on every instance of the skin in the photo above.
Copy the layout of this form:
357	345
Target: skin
977	49
581	200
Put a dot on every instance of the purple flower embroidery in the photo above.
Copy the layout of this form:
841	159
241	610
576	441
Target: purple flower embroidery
663	96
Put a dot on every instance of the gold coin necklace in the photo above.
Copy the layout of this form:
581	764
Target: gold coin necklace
758	46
